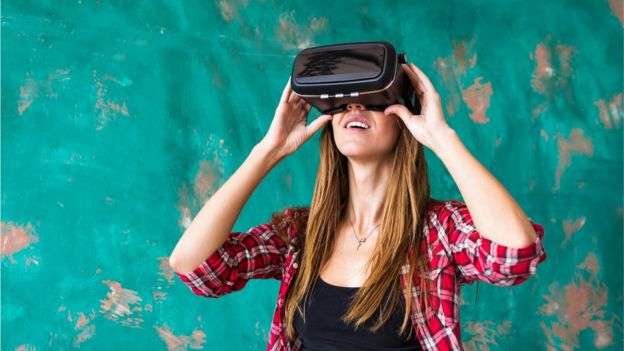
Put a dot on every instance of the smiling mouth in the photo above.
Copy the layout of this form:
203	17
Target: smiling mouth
356	129
357	124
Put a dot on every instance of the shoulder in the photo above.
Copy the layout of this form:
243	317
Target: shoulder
441	216
289	223
449	212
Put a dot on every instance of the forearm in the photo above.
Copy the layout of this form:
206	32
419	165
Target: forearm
496	215
213	223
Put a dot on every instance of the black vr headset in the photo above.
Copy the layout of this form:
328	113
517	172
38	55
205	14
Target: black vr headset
369	73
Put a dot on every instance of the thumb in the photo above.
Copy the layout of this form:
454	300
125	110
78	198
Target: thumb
315	125
399	110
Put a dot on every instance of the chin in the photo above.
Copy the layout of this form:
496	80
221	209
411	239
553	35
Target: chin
357	152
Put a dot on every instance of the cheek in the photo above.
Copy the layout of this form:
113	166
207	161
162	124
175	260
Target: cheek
390	130
335	122
390	124
335	119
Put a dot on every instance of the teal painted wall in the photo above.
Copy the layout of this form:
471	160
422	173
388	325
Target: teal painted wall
119	119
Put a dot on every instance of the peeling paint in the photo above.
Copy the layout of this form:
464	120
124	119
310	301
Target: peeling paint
296	36
477	97
611	111
173	342
486	334
35	88
165	270
570	227
85	327
576	144
106	108
16	238
121	305
578	306
618	9
552	73
454	70
207	180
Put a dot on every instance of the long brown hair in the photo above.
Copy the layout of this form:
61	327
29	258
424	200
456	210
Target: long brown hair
407	200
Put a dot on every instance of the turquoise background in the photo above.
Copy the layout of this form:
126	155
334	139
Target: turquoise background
120	119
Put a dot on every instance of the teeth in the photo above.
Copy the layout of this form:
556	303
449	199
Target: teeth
357	124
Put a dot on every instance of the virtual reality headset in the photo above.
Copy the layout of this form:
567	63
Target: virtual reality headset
369	73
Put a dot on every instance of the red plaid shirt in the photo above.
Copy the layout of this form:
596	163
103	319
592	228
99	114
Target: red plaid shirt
457	253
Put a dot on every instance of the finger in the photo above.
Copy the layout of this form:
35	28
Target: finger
303	104
315	125
399	110
418	85
294	98
302	107
424	79
286	92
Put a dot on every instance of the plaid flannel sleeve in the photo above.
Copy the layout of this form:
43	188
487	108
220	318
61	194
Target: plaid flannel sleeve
479	258
258	253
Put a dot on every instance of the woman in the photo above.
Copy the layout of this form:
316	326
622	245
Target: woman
374	263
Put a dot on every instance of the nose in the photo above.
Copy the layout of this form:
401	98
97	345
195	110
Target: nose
354	106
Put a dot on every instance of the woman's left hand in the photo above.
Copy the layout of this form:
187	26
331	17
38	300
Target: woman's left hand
430	123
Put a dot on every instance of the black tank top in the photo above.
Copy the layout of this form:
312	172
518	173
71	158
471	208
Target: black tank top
324	330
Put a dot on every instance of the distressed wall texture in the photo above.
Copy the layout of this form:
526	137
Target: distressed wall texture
119	120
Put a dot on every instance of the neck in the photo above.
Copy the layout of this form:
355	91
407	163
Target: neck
368	185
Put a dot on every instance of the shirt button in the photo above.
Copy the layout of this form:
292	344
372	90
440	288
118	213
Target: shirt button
296	265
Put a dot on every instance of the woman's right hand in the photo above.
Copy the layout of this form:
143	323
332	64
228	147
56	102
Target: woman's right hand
288	130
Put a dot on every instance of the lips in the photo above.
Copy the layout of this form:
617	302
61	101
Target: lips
355	119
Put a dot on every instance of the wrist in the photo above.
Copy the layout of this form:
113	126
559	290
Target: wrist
441	138
269	154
